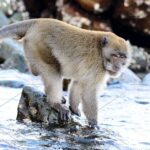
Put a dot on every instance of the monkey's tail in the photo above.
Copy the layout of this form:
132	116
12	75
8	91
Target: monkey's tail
16	30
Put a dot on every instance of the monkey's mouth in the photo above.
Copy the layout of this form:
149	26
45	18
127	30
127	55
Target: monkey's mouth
113	73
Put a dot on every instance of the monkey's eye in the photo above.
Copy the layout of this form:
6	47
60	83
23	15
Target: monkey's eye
119	56
123	56
115	55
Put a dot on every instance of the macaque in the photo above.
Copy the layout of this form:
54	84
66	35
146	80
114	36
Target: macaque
56	50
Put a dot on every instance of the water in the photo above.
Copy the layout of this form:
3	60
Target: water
123	115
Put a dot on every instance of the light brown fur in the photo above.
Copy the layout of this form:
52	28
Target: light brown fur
57	50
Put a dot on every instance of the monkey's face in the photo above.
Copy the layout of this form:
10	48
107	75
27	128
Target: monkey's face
116	57
115	63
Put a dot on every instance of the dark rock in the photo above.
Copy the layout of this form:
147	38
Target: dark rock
40	8
101	25
12	54
142	102
72	15
12	83
2	60
95	6
33	107
69	14
132	19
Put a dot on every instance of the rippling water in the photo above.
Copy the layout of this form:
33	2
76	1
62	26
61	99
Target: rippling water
124	123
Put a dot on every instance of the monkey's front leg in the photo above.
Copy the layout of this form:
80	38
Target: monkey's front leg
90	105
75	97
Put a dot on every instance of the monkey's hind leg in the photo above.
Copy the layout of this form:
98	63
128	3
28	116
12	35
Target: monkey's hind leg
31	58
53	86
50	73
75	97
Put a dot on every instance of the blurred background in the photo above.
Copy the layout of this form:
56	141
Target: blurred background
125	104
129	19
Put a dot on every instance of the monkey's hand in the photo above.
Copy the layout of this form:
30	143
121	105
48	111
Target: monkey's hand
62	110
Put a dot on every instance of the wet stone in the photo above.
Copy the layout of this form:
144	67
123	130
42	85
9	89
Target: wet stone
33	106
142	102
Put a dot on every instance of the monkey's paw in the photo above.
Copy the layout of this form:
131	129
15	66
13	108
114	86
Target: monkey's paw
93	124
63	101
74	112
63	111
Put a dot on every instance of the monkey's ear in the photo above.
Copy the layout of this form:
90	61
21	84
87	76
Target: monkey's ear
104	41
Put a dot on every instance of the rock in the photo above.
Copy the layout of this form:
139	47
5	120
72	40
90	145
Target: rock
128	77
3	19
72	15
12	8
11	52
146	79
38	8
15	79
16	17
8	46
95	6
140	60
133	19
16	61
101	25
33	107
5	6
69	14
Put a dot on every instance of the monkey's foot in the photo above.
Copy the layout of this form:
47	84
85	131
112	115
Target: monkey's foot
93	124
62	110
63	101
74	112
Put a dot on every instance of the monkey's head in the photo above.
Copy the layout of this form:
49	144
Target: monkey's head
116	54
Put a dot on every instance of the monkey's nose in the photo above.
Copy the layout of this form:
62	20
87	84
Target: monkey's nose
116	68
